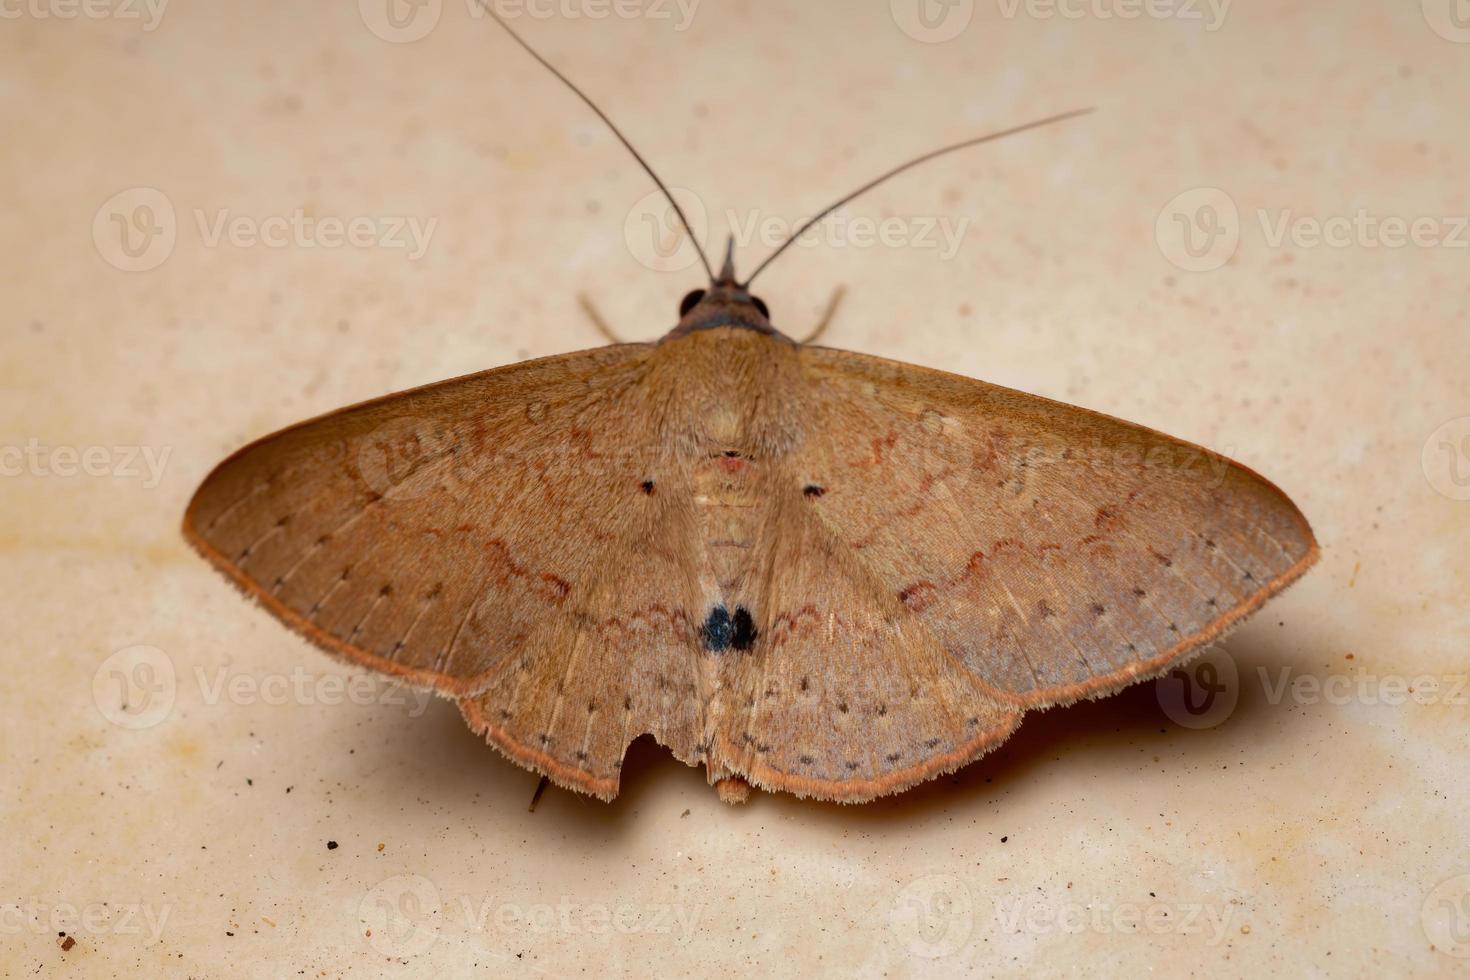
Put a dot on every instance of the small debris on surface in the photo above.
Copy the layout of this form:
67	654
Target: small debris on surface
684	814
66	943
331	845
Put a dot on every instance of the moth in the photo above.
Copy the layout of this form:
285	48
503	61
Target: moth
804	569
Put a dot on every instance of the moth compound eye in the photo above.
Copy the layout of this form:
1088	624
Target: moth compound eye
760	304
690	302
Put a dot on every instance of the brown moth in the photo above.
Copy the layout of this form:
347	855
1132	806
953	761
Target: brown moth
804	569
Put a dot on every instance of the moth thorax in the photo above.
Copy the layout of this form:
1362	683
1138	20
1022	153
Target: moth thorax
725	424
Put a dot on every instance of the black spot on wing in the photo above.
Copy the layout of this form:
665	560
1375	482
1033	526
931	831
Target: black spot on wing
717	630
721	631
744	634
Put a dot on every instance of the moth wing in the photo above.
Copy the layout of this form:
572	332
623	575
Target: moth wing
842	696
473	536
1055	552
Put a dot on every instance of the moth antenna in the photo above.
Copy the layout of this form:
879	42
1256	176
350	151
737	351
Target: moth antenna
683	219
791	239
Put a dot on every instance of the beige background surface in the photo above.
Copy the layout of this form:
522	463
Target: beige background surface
171	806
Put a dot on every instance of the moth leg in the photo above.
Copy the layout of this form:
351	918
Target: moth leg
596	317
536	796
827	315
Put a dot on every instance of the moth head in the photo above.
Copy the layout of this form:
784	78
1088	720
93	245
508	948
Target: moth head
726	302
723	305
732	296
